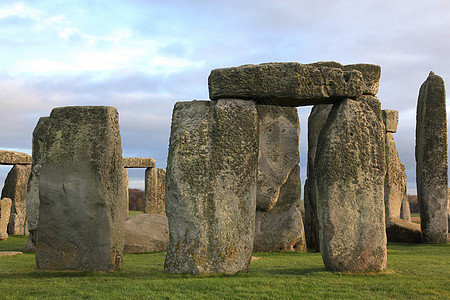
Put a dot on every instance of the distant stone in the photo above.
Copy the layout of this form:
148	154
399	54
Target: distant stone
14	158
139	162
281	229
285	84
82	194
5	210
390	119
432	160
371	74
402	231
146	233
211	186
316	121
349	170
39	136
279	131
405	210
155	191
10	253
15	188
394	183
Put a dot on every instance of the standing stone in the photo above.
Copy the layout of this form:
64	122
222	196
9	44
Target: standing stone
405	210
393	184
81	190
15	188
211	186
281	229
39	135
155	191
279	224
5	210
432	160
316	121
349	170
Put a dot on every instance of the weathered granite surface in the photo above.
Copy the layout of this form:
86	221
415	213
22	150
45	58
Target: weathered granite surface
14	158
145	233
394	183
39	136
211	186
349	169
82	194
155	191
139	162
316	121
402	231
405	210
285	84
15	188
432	160
5	211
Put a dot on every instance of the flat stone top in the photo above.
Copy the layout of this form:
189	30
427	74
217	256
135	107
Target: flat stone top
294	84
14	158
9	253
139	162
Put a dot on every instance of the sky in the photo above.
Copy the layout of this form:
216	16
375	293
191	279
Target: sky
144	56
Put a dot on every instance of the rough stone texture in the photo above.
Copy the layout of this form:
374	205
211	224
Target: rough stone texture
14	158
139	162
316	120
394	181
155	191
432	160
15	188
39	135
5	210
390	119
371	74
281	229
127	191
405	211
285	84
448	213
402	231
145	233
82	211
349	169
211	186
279	131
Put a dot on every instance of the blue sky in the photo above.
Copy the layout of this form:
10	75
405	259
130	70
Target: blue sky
143	56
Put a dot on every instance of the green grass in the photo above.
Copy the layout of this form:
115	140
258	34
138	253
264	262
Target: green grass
133	212
414	272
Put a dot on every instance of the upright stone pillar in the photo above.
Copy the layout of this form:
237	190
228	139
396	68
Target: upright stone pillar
155	191
316	121
5	211
432	160
81	190
279	224
211	186
349	170
394	181
15	188
405	210
39	136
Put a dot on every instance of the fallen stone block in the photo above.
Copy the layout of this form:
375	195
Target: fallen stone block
402	231
146	233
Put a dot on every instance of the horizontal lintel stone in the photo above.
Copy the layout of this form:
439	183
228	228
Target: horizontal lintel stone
14	158
139	162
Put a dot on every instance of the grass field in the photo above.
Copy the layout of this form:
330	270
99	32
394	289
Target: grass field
414	272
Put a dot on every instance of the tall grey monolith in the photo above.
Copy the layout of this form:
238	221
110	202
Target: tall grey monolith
39	135
316	121
279	224
15	188
155	191
349	170
432	160
211	186
82	191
